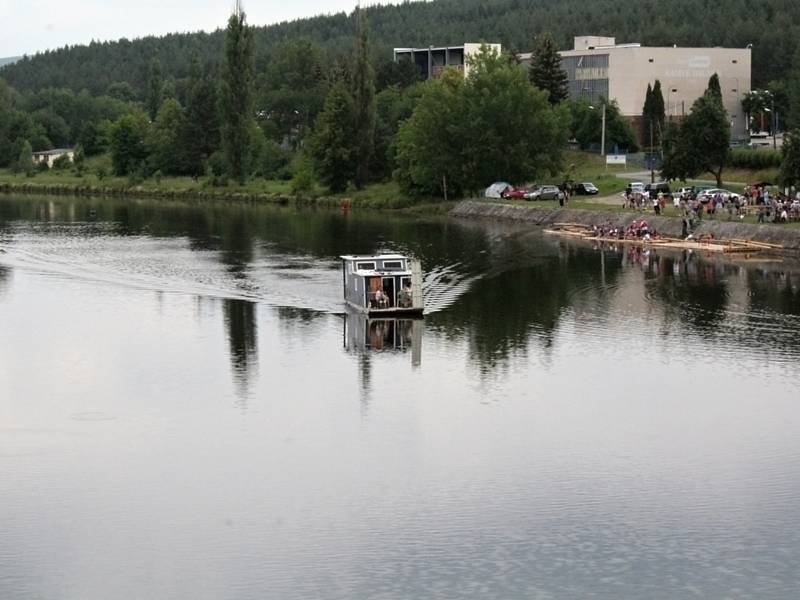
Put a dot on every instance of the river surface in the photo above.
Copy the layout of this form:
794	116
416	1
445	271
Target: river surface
186	411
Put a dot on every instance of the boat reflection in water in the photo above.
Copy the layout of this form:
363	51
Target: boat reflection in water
383	334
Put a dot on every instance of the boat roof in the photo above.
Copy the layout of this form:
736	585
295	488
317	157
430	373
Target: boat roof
373	257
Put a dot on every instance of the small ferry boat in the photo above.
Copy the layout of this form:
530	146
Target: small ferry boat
383	284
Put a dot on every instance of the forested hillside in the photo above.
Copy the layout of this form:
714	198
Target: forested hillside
772	26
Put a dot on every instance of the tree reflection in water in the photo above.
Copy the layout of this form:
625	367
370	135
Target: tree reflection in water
5	279
242	330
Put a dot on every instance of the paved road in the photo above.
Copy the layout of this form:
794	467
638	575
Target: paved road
644	177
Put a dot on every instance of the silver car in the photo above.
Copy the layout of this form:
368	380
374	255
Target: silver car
544	192
727	196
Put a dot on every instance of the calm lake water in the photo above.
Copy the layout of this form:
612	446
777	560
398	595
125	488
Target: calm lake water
186	412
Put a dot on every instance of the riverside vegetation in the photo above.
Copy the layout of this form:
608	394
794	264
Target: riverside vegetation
309	122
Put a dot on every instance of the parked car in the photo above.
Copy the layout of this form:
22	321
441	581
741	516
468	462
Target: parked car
654	189
635	187
515	193
683	193
711	193
545	192
585	189
698	190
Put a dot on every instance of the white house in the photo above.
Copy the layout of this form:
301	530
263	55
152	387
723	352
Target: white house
50	156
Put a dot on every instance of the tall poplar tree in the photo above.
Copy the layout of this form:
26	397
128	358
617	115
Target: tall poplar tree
155	88
546	72
654	115
647	115
236	94
363	85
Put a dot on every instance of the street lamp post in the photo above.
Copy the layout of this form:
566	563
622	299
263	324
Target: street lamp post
603	133
603	130
772	117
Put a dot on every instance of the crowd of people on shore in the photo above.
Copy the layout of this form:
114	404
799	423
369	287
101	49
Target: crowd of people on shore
693	205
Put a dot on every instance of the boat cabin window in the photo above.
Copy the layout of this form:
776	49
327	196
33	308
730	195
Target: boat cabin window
365	266
393	265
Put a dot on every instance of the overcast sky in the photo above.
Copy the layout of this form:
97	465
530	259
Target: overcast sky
27	26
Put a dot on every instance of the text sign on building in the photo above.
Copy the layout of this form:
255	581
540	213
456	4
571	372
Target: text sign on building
616	159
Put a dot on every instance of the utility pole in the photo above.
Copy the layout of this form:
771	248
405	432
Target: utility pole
652	171
774	123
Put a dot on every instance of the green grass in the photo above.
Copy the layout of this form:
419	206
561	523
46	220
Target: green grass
587	167
579	167
379	195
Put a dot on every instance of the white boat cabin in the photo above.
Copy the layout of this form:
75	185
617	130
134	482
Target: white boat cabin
383	284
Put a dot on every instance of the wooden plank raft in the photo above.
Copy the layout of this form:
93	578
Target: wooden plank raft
704	245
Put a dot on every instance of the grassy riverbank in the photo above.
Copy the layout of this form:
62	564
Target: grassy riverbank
579	167
377	196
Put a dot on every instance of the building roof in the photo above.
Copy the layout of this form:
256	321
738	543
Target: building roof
55	151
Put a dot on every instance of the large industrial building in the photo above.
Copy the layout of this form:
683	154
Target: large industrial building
599	67
433	61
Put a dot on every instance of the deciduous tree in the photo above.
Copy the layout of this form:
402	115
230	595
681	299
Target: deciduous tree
493	126
702	143
127	144
790	167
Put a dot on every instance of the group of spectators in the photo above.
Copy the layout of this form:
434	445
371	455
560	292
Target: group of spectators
775	208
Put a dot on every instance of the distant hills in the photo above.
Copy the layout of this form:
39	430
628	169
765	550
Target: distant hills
771	26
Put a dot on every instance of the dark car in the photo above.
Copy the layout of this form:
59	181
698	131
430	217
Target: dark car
585	189
654	189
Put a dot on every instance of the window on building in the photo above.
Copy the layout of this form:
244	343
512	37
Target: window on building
366	266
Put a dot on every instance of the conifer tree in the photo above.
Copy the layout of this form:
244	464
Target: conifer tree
332	148
236	94
363	84
714	88
546	72
200	136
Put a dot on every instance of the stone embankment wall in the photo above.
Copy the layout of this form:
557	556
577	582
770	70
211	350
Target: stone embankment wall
720	228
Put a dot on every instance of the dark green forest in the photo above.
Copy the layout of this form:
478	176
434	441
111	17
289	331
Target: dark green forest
771	26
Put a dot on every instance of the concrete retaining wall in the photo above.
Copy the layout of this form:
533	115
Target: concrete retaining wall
669	226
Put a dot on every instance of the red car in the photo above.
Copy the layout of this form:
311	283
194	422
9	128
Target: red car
515	193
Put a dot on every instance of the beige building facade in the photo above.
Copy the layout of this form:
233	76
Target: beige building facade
598	66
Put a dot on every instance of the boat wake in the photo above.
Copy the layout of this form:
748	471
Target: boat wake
172	265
